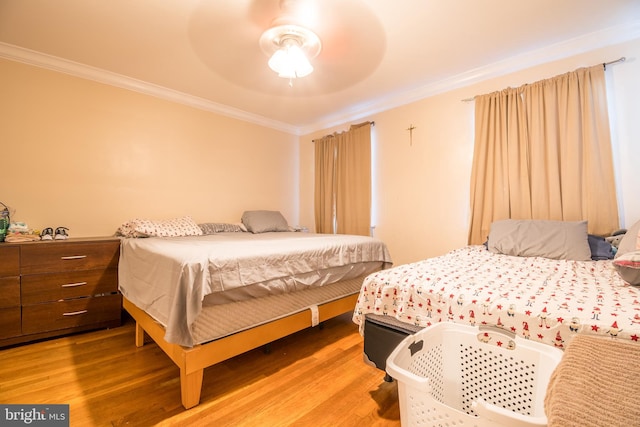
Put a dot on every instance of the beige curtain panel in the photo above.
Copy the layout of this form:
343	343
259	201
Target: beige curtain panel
543	151
353	195
343	182
325	159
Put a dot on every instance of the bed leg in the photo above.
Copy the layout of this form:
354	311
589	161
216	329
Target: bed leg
139	335
190	387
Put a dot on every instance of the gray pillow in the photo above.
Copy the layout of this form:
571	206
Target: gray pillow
220	227
549	239
628	242
264	221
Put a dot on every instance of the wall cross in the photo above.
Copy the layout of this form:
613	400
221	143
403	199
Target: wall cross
410	129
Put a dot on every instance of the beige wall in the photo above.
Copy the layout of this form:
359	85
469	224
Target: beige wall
89	156
421	200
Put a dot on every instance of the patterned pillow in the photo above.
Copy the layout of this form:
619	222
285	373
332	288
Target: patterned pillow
628	266
184	226
128	229
221	227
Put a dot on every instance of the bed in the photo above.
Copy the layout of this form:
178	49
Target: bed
205	297
540	280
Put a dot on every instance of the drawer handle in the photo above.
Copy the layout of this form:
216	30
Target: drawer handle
74	313
73	257
73	285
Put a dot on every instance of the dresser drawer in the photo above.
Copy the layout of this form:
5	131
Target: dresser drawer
9	261
9	292
38	288
53	257
9	322
70	313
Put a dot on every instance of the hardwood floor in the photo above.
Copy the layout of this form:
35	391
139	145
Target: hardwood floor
315	377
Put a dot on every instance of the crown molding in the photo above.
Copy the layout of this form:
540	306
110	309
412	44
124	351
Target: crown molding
565	49
568	48
50	62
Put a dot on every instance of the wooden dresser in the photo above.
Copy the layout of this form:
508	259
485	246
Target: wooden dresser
51	288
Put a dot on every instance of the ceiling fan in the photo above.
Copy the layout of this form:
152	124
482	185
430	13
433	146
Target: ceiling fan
289	44
338	52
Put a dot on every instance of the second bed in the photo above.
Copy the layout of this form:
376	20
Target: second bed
204	299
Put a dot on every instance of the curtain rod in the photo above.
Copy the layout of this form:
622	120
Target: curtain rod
604	64
621	59
372	123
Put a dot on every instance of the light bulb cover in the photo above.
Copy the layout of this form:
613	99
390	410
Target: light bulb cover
290	47
290	62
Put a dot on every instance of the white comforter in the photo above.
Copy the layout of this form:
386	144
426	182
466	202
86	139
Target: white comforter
170	277
536	298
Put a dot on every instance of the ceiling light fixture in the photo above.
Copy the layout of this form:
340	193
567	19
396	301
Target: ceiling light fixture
290	47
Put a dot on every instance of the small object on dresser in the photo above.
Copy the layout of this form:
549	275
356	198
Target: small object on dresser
5	220
61	233
20	232
19	227
46	234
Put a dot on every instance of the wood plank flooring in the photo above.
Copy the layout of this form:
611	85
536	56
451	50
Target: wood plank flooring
316	377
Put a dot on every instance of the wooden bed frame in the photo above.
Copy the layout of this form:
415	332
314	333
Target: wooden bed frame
193	360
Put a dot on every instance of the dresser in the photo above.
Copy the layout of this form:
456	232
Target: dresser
51	288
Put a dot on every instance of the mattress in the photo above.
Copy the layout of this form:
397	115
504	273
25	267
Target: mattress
536	298
172	279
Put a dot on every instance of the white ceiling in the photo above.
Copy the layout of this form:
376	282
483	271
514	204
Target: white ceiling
376	54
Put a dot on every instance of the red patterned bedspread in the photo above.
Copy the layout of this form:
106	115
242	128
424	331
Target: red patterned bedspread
536	298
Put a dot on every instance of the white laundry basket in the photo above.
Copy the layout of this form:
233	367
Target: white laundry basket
457	375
